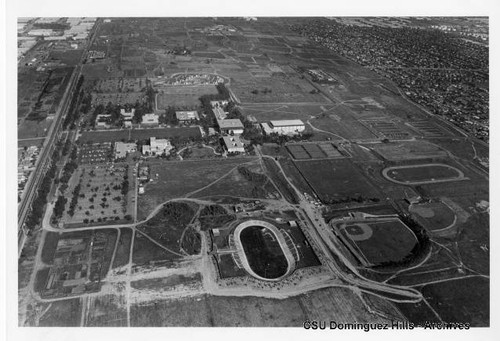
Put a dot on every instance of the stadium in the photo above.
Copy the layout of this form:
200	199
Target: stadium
264	251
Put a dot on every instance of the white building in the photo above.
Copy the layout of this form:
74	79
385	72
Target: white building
122	149
127	117
284	127
183	116
157	146
233	144
150	119
231	126
101	121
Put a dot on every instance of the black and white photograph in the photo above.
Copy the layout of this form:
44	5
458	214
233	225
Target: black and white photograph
319	171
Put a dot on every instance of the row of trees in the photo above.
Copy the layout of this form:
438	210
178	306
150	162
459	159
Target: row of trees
73	113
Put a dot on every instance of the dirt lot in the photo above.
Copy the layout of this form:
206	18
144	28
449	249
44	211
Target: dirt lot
338	304
66	313
106	311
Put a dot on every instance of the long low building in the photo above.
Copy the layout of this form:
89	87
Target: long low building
231	126
183	116
284	127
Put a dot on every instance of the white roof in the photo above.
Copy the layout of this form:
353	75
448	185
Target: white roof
230	123
285	123
232	141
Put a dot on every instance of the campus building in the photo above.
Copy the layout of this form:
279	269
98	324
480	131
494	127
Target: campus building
102	121
186	116
122	149
284	127
233	144
127	117
156	147
231	126
150	119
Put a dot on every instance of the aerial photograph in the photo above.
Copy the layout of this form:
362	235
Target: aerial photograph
308	172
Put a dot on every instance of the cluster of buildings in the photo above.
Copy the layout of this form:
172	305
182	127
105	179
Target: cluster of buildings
218	109
155	147
103	121
79	28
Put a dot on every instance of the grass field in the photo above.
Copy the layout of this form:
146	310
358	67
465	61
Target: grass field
106	311
408	150
263	252
168	225
31	129
177	179
228	267
65	313
465	300
337	181
146	252
433	215
235	184
138	134
183	96
390	241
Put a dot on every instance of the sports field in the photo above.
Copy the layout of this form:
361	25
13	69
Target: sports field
433	215
336	180
263	252
422	173
378	241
